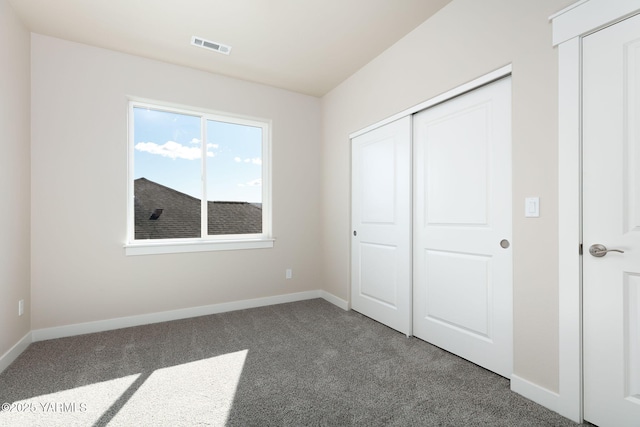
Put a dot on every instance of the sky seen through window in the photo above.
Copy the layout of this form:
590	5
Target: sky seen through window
168	151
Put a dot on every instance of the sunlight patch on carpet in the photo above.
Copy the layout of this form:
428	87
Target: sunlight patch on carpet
81	406
186	394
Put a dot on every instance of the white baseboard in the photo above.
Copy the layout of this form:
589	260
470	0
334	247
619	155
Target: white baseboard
165	316
15	351
540	395
339	302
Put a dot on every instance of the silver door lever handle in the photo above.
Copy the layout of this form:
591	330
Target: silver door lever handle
599	250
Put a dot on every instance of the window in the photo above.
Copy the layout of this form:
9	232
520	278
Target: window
197	181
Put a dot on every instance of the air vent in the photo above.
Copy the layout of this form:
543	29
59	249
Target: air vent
207	44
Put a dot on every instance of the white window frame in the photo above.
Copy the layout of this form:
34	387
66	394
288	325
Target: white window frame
205	242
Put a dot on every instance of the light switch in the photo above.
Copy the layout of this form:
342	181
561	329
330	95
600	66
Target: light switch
532	207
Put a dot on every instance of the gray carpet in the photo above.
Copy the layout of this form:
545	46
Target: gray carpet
301	364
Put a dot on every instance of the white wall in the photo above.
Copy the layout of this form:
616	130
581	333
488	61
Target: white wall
79	165
14	178
465	40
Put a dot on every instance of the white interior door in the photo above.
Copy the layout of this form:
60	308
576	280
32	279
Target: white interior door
381	222
462	201
611	217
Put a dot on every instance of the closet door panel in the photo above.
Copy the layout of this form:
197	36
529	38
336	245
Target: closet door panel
462	226
381	225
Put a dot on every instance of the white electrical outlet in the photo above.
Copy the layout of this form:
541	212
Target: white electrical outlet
20	307
289	273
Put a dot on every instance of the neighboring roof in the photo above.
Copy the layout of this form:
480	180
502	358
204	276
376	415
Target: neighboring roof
234	218
177	215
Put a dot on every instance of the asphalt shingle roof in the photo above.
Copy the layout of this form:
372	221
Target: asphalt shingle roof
180	216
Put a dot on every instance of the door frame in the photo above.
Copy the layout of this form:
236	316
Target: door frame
570	26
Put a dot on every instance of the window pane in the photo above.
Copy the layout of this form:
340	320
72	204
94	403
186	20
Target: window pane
167	174
234	178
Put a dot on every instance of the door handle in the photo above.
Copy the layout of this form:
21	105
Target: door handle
598	250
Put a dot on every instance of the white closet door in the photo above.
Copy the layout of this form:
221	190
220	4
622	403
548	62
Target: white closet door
462	226
381	225
611	218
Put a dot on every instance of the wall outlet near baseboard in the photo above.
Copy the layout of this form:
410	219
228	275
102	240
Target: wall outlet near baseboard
20	307
289	273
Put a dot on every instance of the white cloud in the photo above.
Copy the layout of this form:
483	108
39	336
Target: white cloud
172	149
196	141
254	183
255	160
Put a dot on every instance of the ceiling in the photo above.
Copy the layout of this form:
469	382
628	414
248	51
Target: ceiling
307	46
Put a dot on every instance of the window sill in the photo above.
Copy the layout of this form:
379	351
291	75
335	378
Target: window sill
153	248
